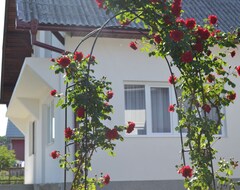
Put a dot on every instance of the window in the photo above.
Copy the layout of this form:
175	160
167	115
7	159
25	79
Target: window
147	105
212	115
51	122
32	138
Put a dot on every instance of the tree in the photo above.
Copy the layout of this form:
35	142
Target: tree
3	140
7	158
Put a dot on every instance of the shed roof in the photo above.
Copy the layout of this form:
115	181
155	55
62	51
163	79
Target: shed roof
13	131
85	13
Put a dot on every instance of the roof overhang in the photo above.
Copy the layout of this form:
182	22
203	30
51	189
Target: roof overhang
33	85
113	32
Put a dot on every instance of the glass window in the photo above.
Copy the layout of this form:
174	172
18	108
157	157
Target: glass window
147	106
51	122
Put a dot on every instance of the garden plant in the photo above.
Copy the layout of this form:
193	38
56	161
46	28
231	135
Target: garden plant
200	76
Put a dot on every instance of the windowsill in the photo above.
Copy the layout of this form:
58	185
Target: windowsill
164	136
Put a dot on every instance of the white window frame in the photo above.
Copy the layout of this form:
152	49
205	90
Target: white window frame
173	115
223	130
51	122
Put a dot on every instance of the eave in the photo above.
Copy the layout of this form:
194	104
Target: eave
111	32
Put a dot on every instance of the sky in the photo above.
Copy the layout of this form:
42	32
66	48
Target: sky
3	108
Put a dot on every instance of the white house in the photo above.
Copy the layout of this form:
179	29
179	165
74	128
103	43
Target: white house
146	159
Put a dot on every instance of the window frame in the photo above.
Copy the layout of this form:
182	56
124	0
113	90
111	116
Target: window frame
173	116
32	136
51	125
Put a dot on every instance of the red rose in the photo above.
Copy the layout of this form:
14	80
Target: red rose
172	79
217	34
186	171
111	134
78	56
106	179
68	132
198	47
208	52
187	57
80	112
176	9
176	35
167	20
210	78
64	61
53	92
55	154
238	70
231	96
180	21
190	23
212	19
157	38
109	94
206	108
106	104
100	3
52	60
131	126
154	1
171	108
133	45
233	53
92	58
203	33
177	2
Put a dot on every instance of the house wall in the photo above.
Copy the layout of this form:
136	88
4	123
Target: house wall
150	157
139	158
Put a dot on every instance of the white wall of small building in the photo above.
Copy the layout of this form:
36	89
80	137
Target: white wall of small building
138	157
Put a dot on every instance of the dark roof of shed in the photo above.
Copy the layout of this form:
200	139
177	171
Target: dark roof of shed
85	13
13	131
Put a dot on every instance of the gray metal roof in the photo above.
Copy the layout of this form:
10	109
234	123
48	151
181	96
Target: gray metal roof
227	12
85	13
13	131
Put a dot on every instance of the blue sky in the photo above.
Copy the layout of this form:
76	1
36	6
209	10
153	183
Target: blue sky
3	119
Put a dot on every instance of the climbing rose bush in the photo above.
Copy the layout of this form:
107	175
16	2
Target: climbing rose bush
89	99
204	81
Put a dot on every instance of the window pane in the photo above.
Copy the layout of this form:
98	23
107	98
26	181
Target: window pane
51	122
160	114
214	116
135	107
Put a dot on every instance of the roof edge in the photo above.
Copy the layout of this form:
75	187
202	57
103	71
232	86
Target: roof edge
83	30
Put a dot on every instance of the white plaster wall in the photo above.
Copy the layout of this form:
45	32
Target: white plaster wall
144	158
138	158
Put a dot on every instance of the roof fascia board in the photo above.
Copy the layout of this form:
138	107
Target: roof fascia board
81	30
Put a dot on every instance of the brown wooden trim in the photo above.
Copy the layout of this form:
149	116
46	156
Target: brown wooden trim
83	30
59	37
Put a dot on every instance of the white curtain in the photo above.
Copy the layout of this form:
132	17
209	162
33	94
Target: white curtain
135	107
160	113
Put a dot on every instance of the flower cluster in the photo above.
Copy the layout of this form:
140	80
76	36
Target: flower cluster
186	171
